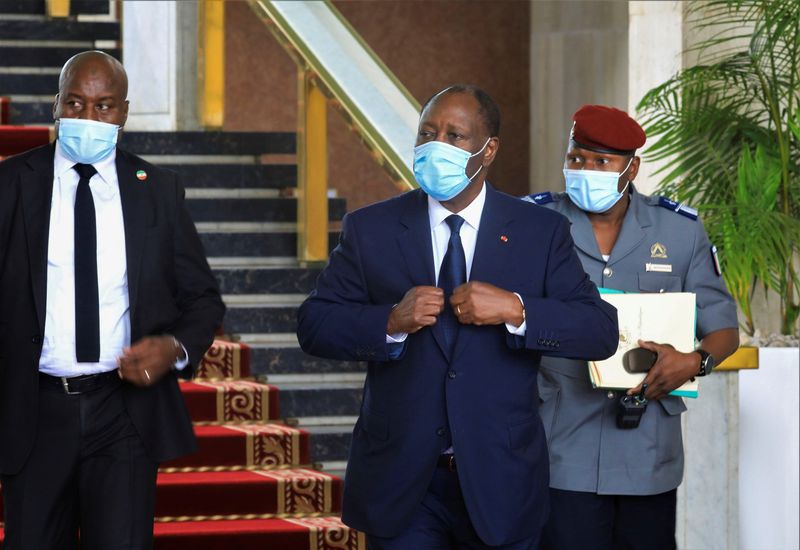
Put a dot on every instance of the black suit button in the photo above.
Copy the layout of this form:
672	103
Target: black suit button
440	432
558	344
540	341
451	374
36	339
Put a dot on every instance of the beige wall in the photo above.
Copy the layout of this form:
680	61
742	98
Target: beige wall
428	45
579	54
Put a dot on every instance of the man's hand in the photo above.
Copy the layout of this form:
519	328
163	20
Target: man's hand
419	308
671	370
146	361
477	303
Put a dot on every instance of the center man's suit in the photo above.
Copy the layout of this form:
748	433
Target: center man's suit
485	393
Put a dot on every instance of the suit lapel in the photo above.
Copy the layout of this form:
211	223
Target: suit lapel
37	195
415	245
134	196
492	250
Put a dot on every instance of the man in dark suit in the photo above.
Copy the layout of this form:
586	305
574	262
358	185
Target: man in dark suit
105	299
449	450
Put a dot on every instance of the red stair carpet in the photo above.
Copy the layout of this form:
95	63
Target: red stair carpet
250	485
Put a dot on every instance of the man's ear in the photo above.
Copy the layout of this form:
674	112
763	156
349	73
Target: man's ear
490	151
55	106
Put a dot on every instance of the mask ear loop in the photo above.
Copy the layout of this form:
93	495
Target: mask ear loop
478	153
628	182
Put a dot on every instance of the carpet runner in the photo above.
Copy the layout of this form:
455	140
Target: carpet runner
250	485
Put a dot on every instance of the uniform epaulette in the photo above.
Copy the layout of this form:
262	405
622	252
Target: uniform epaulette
540	198
678	207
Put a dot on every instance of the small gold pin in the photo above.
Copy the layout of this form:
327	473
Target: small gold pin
141	175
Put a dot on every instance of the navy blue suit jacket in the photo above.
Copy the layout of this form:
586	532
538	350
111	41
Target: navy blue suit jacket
486	392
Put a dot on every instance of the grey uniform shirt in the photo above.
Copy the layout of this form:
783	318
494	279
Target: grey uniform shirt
587	451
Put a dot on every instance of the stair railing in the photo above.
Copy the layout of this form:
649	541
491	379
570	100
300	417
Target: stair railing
335	65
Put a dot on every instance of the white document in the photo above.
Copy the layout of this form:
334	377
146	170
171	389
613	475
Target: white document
664	318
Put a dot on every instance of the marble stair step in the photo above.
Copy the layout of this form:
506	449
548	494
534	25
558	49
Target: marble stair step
235	176
252	239
30	110
280	353
261	312
250	280
38	7
209	143
58	29
26	80
314	398
330	439
41	56
277	209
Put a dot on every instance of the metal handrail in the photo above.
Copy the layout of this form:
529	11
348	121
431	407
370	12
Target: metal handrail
389	98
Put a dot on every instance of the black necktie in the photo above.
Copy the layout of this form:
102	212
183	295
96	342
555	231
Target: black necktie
452	274
87	308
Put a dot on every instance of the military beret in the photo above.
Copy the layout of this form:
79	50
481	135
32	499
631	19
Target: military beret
606	130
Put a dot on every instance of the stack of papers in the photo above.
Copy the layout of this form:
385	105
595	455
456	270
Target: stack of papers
665	318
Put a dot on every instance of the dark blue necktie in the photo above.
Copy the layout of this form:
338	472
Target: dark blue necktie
453	273
87	308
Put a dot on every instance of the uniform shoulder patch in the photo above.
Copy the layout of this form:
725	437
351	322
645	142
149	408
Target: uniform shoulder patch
540	198
678	207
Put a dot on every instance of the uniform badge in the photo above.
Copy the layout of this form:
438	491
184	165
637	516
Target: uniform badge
658	250
141	175
658	268
715	261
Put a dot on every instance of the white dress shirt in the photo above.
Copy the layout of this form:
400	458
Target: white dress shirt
58	349
440	237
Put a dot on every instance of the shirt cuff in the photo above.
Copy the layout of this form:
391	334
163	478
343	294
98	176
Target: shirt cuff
180	364
520	330
396	338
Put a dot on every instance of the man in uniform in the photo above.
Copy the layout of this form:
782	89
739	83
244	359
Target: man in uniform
612	487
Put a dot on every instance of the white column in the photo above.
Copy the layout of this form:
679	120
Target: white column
159	50
708	498
770	451
655	46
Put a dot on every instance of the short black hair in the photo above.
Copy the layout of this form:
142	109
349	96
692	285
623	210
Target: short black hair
487	107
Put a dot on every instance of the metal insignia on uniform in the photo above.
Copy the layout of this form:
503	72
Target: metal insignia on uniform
715	260
658	250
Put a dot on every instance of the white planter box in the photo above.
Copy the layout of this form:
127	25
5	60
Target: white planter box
769	451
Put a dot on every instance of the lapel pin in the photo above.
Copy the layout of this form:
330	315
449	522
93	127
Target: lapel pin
504	238
141	175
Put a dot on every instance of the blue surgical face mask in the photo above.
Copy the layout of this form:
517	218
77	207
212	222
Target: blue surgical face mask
441	169
86	141
594	190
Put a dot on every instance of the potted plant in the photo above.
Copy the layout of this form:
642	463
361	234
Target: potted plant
730	127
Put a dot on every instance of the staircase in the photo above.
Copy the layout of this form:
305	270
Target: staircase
267	416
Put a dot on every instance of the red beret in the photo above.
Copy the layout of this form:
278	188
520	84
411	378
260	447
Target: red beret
606	130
